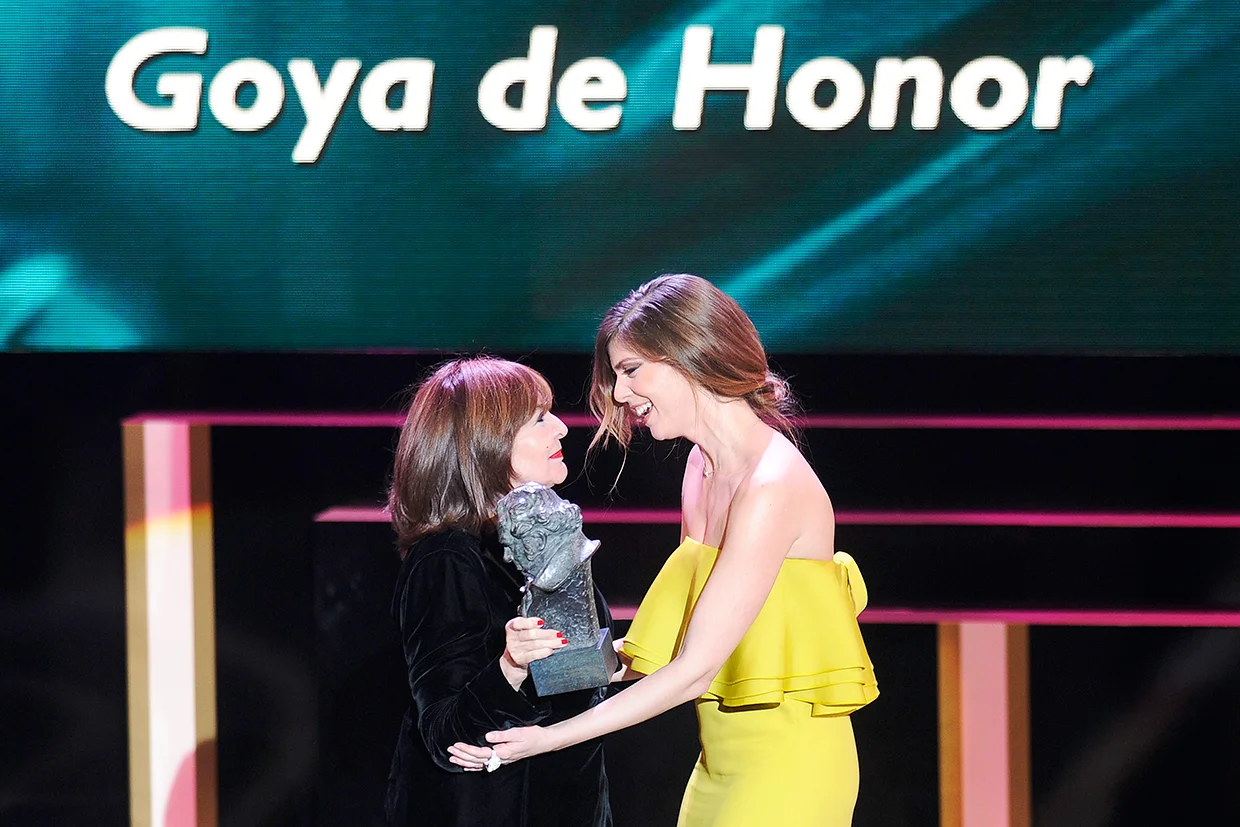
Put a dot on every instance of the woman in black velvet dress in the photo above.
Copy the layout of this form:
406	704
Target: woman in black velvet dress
477	428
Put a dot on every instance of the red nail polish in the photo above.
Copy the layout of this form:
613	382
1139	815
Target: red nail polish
540	623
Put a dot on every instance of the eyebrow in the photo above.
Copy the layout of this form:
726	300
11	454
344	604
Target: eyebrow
619	366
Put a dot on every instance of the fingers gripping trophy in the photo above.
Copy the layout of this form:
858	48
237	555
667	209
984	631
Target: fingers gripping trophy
541	534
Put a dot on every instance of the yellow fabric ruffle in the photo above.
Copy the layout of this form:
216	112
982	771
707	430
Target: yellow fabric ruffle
804	645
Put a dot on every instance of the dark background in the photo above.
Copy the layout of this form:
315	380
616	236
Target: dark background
1128	724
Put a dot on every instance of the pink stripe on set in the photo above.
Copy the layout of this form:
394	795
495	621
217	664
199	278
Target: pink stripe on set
1040	519
578	419
1033	617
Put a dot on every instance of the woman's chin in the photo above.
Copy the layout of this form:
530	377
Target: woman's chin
550	479
556	474
657	432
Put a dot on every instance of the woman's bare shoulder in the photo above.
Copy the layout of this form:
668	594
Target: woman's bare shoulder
786	485
783	465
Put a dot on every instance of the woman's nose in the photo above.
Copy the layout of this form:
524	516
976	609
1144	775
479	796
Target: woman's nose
621	392
560	427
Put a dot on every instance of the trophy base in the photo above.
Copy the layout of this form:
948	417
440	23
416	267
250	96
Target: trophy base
573	668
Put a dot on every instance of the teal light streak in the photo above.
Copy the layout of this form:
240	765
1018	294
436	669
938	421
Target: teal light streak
1127	66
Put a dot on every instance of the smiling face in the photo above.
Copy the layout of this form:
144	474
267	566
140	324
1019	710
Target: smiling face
654	393
536	452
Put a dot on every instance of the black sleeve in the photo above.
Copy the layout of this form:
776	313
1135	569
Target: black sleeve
458	689
604	611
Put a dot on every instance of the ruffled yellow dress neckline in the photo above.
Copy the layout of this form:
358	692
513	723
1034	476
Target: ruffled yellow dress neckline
804	645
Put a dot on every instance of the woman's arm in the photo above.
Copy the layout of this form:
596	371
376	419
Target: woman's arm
761	530
460	691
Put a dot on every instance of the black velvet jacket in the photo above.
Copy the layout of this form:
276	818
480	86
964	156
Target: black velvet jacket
453	596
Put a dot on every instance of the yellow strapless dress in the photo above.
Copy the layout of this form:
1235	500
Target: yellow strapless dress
777	743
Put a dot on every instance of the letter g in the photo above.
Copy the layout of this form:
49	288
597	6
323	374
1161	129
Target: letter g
184	89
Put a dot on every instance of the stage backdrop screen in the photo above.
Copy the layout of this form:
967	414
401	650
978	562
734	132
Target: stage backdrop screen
900	175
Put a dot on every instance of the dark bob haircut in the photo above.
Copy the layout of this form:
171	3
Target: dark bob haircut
454	457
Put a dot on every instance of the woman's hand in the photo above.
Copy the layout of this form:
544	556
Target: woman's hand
526	641
468	756
622	673
511	745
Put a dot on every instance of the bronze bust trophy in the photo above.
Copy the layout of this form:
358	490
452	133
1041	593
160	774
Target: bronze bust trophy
541	534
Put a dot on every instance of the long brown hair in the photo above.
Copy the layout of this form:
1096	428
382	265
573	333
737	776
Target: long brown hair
688	323
454	456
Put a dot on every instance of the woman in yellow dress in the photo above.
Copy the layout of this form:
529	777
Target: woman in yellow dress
754	614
